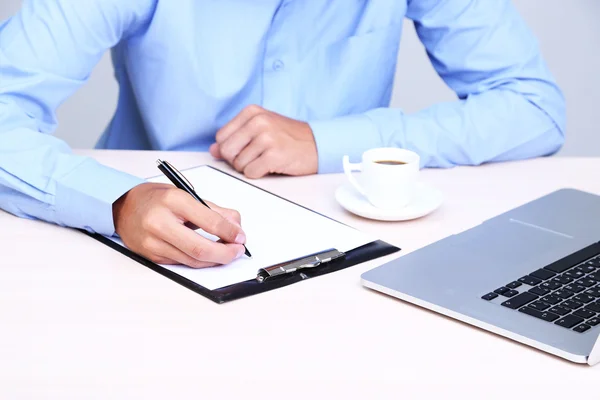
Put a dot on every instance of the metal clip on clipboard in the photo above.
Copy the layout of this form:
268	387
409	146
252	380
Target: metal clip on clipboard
312	261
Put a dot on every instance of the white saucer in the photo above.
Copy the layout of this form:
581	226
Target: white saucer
426	200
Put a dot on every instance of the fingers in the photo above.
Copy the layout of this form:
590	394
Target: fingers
165	253
215	151
166	224
252	151
237	122
232	146
256	129
200	248
259	167
209	220
232	215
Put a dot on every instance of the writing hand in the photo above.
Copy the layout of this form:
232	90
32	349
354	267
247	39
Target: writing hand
151	220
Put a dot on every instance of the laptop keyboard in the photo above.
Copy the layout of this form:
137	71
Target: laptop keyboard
565	293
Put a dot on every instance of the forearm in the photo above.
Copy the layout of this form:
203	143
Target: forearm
47	51
496	125
40	178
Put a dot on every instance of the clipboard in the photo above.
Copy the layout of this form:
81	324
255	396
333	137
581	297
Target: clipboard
268	277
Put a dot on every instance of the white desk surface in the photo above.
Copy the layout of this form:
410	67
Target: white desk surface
79	320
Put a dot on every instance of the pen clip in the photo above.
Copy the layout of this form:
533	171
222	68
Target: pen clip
176	172
312	261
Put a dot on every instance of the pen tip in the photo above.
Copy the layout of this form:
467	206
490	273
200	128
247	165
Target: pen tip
247	252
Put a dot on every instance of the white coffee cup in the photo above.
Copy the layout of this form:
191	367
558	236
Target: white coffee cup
388	176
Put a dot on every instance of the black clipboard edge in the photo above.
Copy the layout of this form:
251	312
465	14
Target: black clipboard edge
367	252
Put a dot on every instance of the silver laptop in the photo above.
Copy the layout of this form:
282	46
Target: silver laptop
531	274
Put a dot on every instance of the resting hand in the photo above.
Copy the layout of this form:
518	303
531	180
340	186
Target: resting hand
258	142
151	220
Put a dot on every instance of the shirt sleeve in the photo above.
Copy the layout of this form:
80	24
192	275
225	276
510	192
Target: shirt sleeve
47	51
509	106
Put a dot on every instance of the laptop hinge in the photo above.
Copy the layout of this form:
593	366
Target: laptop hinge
594	357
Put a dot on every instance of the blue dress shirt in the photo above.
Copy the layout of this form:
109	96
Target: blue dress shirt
186	67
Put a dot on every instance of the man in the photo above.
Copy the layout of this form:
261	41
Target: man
270	86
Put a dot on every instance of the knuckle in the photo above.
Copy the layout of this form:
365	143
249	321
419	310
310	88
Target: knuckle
198	252
169	196
235	215
146	222
226	229
229	228
227	156
147	244
227	152
152	222
271	158
252	109
261	121
237	164
266	139
211	222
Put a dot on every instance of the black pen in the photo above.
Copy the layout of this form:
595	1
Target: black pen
182	183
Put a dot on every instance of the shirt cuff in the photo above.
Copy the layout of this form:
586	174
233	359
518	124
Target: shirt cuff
350	135
85	196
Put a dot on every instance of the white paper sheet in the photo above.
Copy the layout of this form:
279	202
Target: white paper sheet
276	229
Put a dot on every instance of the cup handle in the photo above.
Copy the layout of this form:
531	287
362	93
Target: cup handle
348	168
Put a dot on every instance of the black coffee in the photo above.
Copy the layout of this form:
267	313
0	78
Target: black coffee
390	162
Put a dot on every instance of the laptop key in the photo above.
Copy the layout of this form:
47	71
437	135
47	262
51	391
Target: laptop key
572	304
586	269
563	294
529	280
584	298
550	285
510	293
594	262
583	313
543	274
569	321
539	291
595	276
581	328
594	292
539	305
520	300
489	296
563	279
593	321
586	282
560	310
575	274
546	316
501	290
595	307
575	288
552	299
514	285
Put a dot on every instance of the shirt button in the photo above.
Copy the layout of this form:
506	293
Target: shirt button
278	65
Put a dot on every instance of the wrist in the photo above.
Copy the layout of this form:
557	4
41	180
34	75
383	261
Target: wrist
117	208
311	151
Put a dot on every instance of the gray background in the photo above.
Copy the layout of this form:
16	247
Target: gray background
568	32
